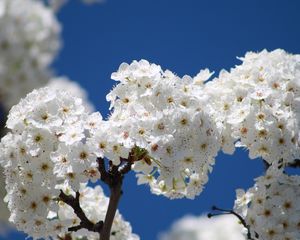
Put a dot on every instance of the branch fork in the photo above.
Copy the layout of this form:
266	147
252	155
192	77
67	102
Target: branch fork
113	178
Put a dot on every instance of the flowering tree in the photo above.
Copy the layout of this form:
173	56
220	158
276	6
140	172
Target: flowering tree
167	129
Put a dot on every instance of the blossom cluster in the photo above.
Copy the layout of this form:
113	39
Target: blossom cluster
166	116
171	128
257	103
45	152
271	208
43	125
225	227
29	40
73	88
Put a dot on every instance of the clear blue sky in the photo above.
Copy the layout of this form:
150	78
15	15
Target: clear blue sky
183	36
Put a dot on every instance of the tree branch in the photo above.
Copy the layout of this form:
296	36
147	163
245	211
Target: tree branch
104	176
266	164
84	221
125	168
113	177
243	222
115	195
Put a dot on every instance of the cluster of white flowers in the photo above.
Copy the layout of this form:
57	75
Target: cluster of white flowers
94	203
29	40
225	227
48	150
165	115
73	88
172	128
59	83
44	150
258	105
272	208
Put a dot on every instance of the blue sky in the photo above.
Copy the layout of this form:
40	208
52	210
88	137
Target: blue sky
183	36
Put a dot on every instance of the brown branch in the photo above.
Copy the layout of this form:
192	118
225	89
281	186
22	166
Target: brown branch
84	221
113	177
104	175
243	222
266	164
115	195
125	168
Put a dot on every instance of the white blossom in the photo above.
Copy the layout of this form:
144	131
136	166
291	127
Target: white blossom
63	83
271	207
257	103
29	40
49	149
36	161
167	117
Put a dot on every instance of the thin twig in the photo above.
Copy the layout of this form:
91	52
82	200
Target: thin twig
243	222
